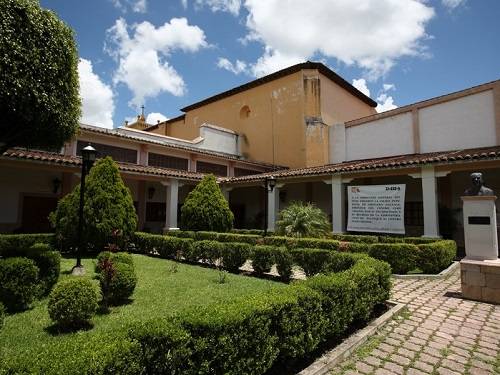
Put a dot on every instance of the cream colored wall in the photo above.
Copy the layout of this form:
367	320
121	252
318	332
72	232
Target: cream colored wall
275	108
385	137
467	122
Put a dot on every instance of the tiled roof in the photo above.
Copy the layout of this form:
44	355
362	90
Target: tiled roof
323	69
74	161
387	163
163	141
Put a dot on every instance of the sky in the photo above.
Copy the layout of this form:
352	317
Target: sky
167	54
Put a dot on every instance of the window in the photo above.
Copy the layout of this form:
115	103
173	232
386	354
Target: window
121	154
166	161
414	214
216	169
238	172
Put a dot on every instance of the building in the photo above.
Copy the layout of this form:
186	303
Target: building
304	125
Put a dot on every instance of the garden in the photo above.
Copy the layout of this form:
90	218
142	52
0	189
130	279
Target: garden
181	303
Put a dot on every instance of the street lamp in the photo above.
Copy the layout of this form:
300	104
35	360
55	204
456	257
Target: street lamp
269	184
89	155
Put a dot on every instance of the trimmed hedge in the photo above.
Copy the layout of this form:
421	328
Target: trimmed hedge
48	263
402	257
284	262
435	257
12	245
205	250
235	254
122	283
262	259
164	246
312	261
2	315
73	302
358	238
18	283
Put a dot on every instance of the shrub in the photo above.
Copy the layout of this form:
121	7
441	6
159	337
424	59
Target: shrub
235	237
312	261
234	255
357	247
12	245
165	346
73	302
107	201
354	238
280	241
2	315
258	232
121	284
435	257
401	257
209	251
165	246
337	302
18	283
339	262
48	263
284	262
317	243
262	259
302	220
205	208
114	258
205	235
181	234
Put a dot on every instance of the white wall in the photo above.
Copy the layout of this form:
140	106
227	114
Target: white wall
218	139
466	122
380	138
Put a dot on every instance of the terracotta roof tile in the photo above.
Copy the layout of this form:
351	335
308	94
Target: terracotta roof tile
392	162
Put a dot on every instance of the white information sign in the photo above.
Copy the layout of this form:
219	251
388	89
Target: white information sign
376	208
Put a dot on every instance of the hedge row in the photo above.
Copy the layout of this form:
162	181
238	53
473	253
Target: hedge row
12	244
429	257
246	336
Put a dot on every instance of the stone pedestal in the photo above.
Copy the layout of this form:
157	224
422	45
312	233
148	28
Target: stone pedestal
480	269
481	280
480	227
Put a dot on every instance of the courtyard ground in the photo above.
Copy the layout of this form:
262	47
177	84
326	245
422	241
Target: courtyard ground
438	333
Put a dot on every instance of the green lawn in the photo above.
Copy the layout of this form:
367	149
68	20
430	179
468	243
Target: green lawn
159	292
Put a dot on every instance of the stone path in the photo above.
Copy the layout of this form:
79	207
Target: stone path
438	333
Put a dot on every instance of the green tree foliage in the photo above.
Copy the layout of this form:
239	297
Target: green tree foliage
39	98
206	208
303	220
108	207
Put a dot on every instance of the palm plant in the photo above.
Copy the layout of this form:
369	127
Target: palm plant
303	220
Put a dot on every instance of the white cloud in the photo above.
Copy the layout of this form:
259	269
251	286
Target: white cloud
371	34
452	4
184	4
360	84
138	6
389	86
154	117
385	103
142	58
97	97
231	6
236	68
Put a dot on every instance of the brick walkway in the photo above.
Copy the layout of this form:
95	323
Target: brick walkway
438	333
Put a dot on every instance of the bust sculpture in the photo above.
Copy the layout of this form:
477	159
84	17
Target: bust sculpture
478	187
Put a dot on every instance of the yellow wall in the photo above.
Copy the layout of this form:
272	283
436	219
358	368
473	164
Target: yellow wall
275	108
278	110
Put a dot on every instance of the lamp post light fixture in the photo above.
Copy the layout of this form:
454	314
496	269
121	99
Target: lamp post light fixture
269	185
89	155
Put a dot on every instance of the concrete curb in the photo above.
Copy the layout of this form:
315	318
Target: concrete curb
442	275
329	360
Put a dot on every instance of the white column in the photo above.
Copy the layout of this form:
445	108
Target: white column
338	205
273	205
172	200
430	202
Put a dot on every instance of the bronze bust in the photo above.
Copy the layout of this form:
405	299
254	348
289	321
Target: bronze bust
478	187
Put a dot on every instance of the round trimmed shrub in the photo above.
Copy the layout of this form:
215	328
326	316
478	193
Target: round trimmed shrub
2	315
262	259
122	283
284	262
18	283
73	302
235	254
114	258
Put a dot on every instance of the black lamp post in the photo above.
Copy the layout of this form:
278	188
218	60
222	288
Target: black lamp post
269	184
89	154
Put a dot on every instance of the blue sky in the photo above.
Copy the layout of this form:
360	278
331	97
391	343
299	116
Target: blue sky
167	54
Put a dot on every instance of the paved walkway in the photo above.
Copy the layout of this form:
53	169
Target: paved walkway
438	333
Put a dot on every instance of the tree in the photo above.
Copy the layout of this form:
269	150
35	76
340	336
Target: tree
206	208
303	220
39	98
108	209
